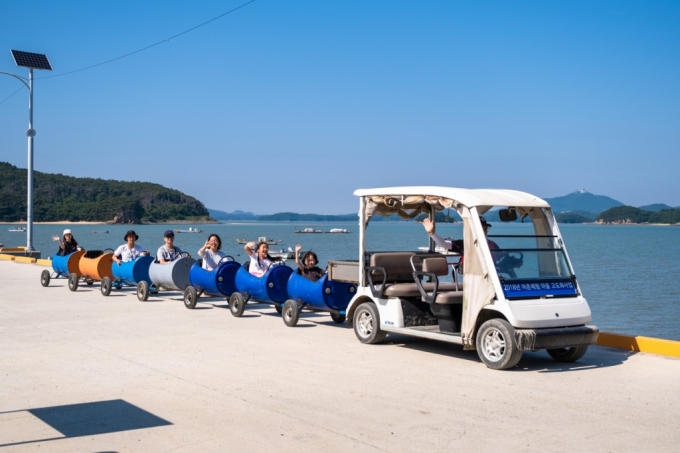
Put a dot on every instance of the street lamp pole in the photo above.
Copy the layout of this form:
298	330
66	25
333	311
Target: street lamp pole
30	133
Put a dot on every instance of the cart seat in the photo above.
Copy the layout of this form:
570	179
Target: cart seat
446	293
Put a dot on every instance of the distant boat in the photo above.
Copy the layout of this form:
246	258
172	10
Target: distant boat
101	232
190	230
339	230
309	230
261	239
17	230
283	254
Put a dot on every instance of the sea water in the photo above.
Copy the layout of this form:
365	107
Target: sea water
627	273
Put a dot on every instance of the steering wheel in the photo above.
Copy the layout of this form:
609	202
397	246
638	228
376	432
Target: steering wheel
227	258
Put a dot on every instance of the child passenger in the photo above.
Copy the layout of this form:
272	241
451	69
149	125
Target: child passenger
308	267
260	261
129	251
67	243
210	252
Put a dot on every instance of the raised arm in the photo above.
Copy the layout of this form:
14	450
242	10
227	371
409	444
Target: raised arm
249	248
297	258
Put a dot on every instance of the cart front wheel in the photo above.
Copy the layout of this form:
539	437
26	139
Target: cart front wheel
73	282
237	304
143	291
291	313
338	319
367	324
45	278
105	286
568	354
190	297
496	345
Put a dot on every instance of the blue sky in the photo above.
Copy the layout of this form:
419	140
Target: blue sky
292	105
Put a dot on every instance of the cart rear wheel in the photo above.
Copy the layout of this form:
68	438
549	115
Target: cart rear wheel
496	345
73	282
367	324
190	297
237	304
143	291
291	313
278	308
45	278
338	319
105	287
568	354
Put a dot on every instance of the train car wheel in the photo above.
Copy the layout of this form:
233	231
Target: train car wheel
291	313
237	304
278	309
190	297
73	282
105	287
143	291
89	281
45	278
338	319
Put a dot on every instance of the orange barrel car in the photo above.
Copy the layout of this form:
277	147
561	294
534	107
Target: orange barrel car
94	266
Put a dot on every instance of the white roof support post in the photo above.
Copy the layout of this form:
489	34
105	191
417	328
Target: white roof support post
362	241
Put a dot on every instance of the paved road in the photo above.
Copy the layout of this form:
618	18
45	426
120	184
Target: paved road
80	372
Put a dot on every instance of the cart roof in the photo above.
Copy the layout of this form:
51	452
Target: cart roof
468	197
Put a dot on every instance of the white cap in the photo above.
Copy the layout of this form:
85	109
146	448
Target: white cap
67	231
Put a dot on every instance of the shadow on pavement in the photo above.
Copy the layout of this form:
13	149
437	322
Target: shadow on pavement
89	419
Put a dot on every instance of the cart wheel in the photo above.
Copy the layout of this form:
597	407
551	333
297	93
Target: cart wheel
73	282
237	304
568	354
496	345
45	278
291	313
338	319
367	324
278	309
105	287
89	281
190	297
143	291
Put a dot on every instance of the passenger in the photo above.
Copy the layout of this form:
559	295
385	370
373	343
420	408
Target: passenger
308	267
210	252
260	261
168	253
67	243
130	250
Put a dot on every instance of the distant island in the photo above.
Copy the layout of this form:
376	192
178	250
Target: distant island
65	198
626	215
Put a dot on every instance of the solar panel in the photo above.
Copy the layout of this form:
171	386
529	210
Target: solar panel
31	60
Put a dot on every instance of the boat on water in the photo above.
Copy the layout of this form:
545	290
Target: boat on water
17	230
339	231
261	239
283	254
101	232
309	230
190	230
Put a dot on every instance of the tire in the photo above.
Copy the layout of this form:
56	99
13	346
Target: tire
190	297
568	354
367	324
496	345
291	313
143	291
338	319
105	287
45	278
237	304
278	308
73	282
89	282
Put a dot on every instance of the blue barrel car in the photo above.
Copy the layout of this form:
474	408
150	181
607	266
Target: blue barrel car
173	276
62	267
219	282
323	295
271	288
127	273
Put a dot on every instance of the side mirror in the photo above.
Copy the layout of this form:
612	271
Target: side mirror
507	215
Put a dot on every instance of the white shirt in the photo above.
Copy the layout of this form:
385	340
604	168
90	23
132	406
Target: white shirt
128	254
258	267
210	259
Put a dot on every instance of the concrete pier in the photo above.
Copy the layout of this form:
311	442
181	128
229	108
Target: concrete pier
81	372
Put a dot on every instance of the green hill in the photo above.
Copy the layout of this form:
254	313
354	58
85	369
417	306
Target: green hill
629	214
57	197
